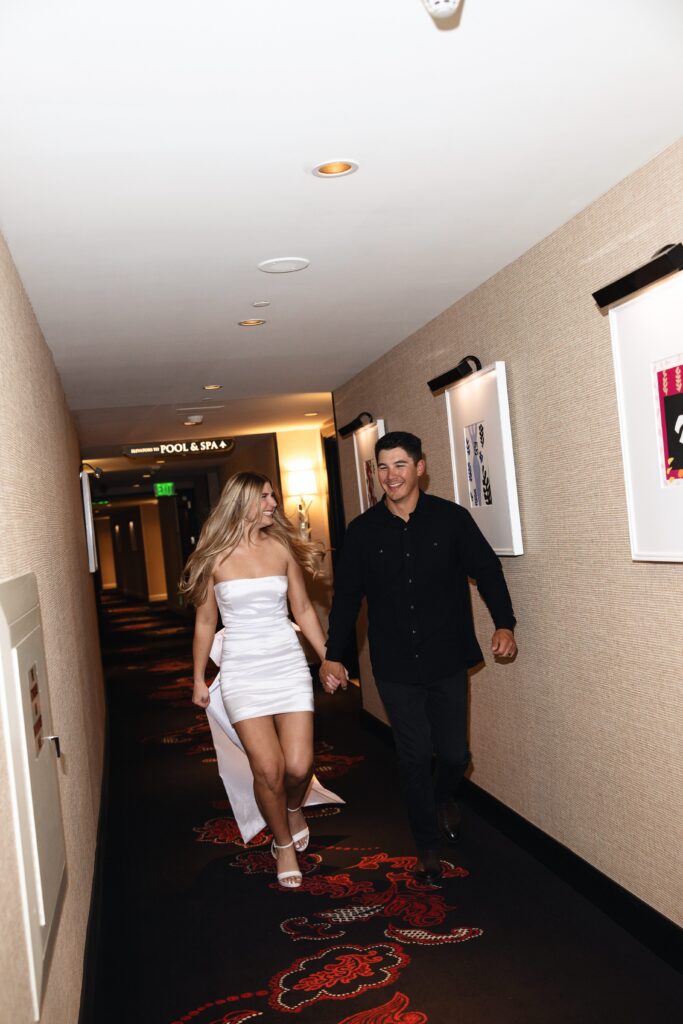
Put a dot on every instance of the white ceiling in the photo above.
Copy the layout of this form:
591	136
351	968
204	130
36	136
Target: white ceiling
154	152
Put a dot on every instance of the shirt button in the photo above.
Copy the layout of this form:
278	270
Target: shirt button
414	631
417	655
412	607
436	543
410	581
407	554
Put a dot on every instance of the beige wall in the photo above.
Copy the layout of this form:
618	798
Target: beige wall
154	552
42	524
582	734
255	453
303	450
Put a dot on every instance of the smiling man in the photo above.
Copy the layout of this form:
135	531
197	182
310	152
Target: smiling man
411	555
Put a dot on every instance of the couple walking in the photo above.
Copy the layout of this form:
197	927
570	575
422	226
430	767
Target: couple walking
410	556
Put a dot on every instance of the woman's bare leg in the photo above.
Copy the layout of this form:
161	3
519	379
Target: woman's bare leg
261	743
295	732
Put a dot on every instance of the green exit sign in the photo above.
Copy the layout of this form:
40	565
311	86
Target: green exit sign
164	490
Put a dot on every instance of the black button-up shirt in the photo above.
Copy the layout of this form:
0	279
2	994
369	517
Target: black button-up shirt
415	577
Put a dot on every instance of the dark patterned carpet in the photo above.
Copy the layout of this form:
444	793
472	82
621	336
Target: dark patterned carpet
195	928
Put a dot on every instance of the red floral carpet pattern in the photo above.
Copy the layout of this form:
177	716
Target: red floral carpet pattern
394	1012
361	925
414	914
339	972
225	831
409	913
329	766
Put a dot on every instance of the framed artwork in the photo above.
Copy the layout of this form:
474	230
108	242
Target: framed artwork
647	347
364	440
482	457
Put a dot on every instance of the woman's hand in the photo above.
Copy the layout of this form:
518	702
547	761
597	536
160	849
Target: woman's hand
333	675
200	694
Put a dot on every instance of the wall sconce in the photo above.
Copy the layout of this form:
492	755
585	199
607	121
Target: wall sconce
97	470
665	261
463	369
356	424
302	482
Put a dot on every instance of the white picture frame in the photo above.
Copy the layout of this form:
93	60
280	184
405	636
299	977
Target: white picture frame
89	522
482	456
364	440
647	350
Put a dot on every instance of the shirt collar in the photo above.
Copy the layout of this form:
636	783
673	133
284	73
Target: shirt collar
418	512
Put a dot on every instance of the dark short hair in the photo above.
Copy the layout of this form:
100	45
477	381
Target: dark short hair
400	439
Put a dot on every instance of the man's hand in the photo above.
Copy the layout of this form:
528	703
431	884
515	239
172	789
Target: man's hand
333	675
503	643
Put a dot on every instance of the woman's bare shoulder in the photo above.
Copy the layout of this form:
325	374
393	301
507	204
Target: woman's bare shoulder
220	564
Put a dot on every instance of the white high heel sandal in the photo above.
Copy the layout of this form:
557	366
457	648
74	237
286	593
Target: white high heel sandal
282	875
301	838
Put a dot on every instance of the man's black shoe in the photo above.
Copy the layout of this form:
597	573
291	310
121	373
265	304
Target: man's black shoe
429	866
448	818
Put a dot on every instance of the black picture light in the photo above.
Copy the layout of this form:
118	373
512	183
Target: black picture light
463	369
665	261
356	424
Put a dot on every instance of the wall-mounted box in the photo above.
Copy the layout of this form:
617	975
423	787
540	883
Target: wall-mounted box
32	752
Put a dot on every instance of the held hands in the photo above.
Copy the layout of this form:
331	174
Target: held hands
333	675
503	643
200	694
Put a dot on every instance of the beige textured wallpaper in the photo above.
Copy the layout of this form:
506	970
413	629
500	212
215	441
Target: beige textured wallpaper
582	734
42	532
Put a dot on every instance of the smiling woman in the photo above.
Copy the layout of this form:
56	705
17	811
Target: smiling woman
247	565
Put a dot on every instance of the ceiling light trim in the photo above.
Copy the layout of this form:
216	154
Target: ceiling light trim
284	265
346	167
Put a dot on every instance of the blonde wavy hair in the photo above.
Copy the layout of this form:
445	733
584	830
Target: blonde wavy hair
237	512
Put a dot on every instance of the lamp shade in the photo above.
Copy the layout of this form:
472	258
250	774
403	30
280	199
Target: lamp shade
302	481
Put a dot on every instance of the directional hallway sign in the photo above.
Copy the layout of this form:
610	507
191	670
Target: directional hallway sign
205	446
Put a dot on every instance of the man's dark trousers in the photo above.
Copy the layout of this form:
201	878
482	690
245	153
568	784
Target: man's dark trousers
428	719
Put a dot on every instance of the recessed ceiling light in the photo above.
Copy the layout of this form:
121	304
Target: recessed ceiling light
310	414
213	387
137	485
146	476
251	323
160	462
284	265
260	303
335	168
190	423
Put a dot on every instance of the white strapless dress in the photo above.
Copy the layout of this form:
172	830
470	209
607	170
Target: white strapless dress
262	671
263	668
